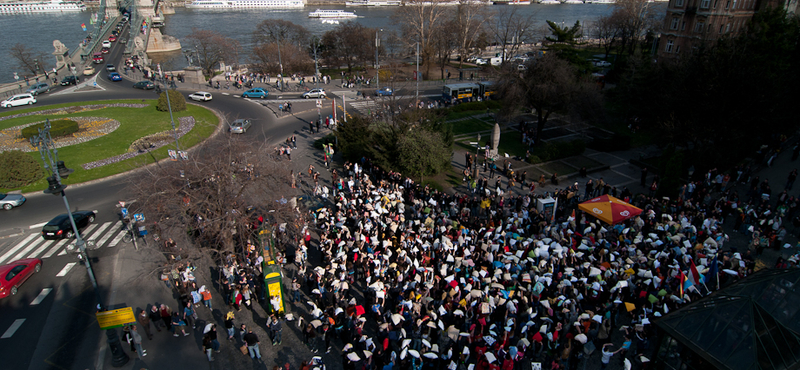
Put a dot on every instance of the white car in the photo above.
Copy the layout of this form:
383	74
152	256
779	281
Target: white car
17	100
106	44
200	96
481	61
315	93
600	63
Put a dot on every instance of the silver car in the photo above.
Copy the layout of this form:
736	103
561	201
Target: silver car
315	93
39	88
9	201
240	126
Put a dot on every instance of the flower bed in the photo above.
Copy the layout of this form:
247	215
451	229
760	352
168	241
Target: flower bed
74	109
185	125
90	128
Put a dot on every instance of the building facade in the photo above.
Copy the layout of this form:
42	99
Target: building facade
690	23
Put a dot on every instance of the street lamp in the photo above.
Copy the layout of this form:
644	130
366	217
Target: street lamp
58	170
377	66
477	150
171	119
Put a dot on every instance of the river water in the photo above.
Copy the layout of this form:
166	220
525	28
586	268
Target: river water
39	30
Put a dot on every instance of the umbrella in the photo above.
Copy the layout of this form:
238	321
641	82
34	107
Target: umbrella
413	353
498	286
396	318
352	356
207	328
316	323
490	357
581	338
367	354
458	313
525	342
359	310
347	347
430	355
630	306
403	353
730	272
598	318
426	343
384	326
405	343
489	340
609	209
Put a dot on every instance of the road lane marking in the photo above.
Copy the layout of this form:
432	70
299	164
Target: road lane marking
37	225
41	296
66	269
55	248
17	247
13	328
114	228
99	231
41	249
87	231
29	248
117	239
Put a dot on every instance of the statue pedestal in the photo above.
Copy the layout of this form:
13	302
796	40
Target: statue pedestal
194	75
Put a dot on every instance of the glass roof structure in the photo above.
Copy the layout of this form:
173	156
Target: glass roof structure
754	324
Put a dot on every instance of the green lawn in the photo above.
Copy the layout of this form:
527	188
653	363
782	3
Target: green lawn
134	124
469	126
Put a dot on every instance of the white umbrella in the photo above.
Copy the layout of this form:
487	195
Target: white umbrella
405	343
413	353
498	286
581	338
598	318
403	353
627	364
426	343
207	328
458	313
490	357
525	342
367	354
347	347
730	272
430	355
316	323
396	318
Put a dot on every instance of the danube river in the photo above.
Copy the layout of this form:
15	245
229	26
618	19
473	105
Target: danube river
39	30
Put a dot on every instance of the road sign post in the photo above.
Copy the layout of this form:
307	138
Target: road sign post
115	318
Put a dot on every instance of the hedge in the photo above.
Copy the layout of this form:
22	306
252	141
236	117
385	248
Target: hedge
18	169
176	101
61	127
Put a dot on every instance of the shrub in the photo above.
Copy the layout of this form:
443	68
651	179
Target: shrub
534	159
61	127
176	101
327	139
493	104
149	141
18	169
471	106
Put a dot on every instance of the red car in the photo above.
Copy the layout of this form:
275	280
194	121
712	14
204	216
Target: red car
15	273
112	38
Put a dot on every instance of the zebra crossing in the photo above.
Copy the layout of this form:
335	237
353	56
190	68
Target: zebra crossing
364	107
107	234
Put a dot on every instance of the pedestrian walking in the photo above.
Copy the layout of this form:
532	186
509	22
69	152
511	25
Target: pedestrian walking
212	334
295	290
308	337
252	344
155	317
137	342
189	315
178	324
144	322
242	332
276	328
206	296
289	153
166	316
208	347
229	326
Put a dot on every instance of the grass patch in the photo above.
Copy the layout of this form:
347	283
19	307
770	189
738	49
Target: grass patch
134	124
559	167
511	143
469	126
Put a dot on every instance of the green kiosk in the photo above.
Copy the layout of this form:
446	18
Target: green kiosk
273	278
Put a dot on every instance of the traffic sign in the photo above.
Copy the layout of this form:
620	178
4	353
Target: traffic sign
319	103
139	217
115	318
125	212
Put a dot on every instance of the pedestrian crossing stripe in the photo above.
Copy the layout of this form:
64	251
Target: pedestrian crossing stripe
108	234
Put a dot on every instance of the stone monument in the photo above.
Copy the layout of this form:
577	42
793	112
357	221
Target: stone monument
61	53
495	141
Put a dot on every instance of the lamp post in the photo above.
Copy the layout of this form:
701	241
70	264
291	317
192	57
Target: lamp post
377	66
477	150
315	40
169	107
58	170
280	61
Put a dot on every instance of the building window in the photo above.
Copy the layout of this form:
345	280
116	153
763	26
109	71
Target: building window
727	28
727	4
683	26
668	49
677	49
698	27
720	27
705	4
674	25
678	3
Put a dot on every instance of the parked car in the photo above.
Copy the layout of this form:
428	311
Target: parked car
88	71
106	44
384	91
256	93
112	38
60	227
239	126
315	93
481	61
144	85
15	273
9	201
114	76
110	68
200	96
97	58
104	50
17	100
600	63
69	80
40	88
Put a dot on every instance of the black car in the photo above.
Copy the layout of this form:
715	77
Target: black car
60	227
69	80
144	85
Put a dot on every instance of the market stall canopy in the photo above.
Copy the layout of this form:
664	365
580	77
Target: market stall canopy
609	209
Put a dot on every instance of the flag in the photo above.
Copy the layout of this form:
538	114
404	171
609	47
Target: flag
694	276
683	281
713	271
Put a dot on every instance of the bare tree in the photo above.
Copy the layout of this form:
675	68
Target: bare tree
467	26
606	32
632	18
419	20
212	48
444	45
27	58
218	199
280	31
264	58
549	85
344	45
511	30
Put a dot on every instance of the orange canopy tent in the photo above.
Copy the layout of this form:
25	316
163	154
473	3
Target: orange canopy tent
609	209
